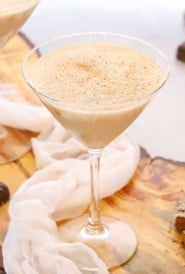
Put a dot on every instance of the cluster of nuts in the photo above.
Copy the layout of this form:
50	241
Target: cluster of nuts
180	219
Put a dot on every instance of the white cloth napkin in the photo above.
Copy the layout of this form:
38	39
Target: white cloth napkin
57	191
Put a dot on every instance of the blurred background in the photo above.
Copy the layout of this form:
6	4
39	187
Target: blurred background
161	128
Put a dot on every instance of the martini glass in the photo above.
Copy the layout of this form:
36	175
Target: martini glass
13	15
113	240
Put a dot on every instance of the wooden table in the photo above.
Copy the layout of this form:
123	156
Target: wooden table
147	203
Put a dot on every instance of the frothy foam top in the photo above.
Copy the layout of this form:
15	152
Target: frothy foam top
6	4
95	75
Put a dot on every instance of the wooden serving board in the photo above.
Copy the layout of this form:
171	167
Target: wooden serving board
147	203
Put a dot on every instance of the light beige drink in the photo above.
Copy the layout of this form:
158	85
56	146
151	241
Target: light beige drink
95	91
13	13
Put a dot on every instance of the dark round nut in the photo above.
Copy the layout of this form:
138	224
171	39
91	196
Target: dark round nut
4	193
2	271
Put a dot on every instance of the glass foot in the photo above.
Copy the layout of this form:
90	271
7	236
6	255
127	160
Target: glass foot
115	245
14	143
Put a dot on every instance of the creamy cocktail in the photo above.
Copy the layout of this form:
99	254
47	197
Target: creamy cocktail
99	87
13	13
96	84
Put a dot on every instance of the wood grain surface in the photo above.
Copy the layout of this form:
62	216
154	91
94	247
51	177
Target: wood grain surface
17	141
147	203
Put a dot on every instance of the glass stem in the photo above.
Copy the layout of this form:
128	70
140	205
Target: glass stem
94	225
